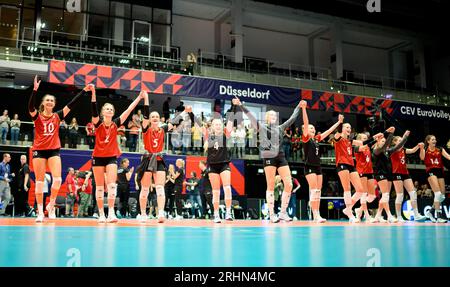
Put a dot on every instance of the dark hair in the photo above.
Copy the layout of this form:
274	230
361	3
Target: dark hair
427	138
124	160
194	174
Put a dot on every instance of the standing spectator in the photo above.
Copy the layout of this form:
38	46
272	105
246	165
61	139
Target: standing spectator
123	185
140	116
233	142
20	199
73	133
62	132
169	188
240	140
4	125
90	135
287	143
166	108
197	137
180	108
205	188
295	141
134	126
85	191
416	185
15	129
278	190
292	207
71	191
5	179
194	194
251	136
178	187
187	136
121	139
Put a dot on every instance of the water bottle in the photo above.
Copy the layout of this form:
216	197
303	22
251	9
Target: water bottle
26	138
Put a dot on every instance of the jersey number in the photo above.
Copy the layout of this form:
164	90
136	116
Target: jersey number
402	160
435	161
349	150
367	158
216	145
155	142
49	128
317	151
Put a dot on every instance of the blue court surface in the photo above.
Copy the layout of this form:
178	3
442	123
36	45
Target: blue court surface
186	244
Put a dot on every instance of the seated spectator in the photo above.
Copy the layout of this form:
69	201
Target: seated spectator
71	191
84	183
121	139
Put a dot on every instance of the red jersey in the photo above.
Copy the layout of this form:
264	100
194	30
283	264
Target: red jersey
106	140
344	152
88	189
90	129
154	140
398	160
46	136
364	161
70	181
433	159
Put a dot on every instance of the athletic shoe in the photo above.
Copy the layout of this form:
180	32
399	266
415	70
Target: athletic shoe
358	212
95	215
141	218
348	213
39	218
51	212
374	220
354	220
382	220
284	217
430	216
420	218
441	220
112	218
392	219
274	219
161	217
401	220
101	219
217	219
320	220
179	217
228	217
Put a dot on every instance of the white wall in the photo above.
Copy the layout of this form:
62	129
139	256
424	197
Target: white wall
365	60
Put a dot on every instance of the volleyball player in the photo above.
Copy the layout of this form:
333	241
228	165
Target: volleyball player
432	155
271	136
313	171
46	145
106	151
402	180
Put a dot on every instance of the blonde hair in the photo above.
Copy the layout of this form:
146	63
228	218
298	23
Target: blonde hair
181	161
41	106
268	114
360	135
103	107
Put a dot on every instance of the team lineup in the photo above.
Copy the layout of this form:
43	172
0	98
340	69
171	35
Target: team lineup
363	162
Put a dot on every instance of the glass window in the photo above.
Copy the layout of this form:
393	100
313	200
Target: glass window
199	107
74	23
29	3
98	26
121	31
121	10
160	35
142	13
257	110
99	7
11	2
28	23
51	19
161	16
54	3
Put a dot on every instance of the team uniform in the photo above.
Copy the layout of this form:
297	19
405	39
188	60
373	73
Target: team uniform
364	165
46	142
399	168
382	158
312	154
154	145
106	148
434	165
218	159
344	155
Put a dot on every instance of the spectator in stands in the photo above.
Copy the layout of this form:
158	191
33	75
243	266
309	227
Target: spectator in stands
84	183
166	108
20	199
90	135
62	132
279	187
162	121
140	116
295	142
197	138
287	143
292	207
4	125
233	142
121	138
427	192
191	60
178	187
15	129
194	194
71	194
205	189
134	126
5	179
123	185
169	188
187	135
180	108
73	133
240	140
251	139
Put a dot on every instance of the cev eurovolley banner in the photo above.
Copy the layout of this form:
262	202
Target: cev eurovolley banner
159	83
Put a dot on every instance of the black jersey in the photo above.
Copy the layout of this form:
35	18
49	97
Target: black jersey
122	175
217	149
311	150
180	179
381	157
205	183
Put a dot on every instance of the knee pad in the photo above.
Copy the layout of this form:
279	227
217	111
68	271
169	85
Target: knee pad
413	195
216	196
364	198
315	195
39	187
437	196
399	198
347	197
228	194
99	192
144	192
112	190
160	191
56	184
371	197
385	198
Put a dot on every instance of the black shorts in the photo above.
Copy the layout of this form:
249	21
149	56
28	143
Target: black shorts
104	161
380	177
47	153
219	167
278	161
366	175
438	172
160	166
343	166
309	169
399	176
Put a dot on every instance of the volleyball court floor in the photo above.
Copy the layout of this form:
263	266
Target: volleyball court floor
243	243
